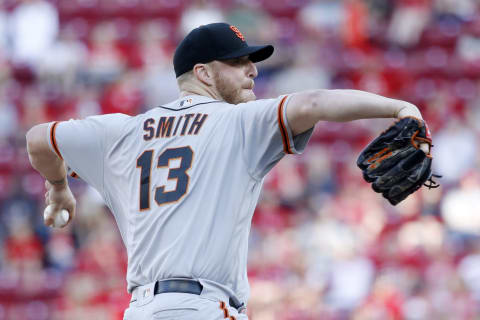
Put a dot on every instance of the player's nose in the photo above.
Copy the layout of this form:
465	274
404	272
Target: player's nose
252	71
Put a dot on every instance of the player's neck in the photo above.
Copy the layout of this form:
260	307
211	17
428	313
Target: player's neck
189	90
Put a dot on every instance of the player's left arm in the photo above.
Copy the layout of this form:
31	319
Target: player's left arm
52	168
307	108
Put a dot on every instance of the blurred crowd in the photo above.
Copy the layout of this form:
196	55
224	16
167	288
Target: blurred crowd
323	245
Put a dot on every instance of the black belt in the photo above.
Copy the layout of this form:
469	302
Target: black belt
188	286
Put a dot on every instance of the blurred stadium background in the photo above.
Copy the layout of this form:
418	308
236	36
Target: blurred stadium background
323	244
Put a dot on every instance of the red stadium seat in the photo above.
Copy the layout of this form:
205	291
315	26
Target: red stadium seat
443	34
75	8
161	8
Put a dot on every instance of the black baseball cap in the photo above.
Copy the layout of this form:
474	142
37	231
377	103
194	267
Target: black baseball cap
215	41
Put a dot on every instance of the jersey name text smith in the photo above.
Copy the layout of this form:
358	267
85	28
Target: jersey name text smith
167	127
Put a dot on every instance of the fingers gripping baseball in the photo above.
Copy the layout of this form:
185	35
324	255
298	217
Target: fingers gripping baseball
60	204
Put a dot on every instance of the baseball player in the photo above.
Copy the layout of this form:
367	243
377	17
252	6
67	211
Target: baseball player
183	179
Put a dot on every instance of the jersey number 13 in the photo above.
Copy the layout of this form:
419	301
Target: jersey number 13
144	162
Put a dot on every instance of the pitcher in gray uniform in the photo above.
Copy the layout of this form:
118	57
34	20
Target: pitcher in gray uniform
183	179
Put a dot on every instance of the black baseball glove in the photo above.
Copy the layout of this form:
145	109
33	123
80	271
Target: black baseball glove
394	162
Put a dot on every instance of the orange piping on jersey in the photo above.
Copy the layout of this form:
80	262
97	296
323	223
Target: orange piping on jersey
53	140
224	309
226	314
283	130
74	175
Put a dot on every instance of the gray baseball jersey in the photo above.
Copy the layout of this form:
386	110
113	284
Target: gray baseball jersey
182	181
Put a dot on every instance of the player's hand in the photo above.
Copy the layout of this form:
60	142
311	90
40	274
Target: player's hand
60	197
410	110
425	147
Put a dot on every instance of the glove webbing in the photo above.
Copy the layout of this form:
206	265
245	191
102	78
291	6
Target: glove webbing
432	184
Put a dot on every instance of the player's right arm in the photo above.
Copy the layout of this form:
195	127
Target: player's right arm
305	109
52	168
78	144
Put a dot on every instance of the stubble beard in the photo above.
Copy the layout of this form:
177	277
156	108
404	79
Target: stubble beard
230	93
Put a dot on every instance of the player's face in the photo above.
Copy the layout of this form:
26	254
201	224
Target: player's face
234	79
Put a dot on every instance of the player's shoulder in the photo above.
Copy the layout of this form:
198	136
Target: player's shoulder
109	118
111	124
261	105
264	101
101	121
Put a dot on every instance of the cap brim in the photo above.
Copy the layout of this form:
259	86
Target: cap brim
254	53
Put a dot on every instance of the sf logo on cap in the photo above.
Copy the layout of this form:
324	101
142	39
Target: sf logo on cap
237	32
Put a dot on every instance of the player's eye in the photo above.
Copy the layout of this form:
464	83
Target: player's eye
239	61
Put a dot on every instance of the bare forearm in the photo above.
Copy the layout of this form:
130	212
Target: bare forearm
52	167
347	105
305	109
42	158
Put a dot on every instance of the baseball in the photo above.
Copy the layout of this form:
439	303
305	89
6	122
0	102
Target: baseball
61	218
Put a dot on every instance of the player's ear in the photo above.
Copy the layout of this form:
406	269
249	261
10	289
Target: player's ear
204	73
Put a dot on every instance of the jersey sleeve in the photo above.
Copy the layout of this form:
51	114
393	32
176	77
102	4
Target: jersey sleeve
266	134
82	144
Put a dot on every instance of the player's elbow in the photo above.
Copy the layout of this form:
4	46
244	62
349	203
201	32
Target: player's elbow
36	139
309	104
303	110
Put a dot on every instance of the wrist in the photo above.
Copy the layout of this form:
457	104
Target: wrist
409	110
58	184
